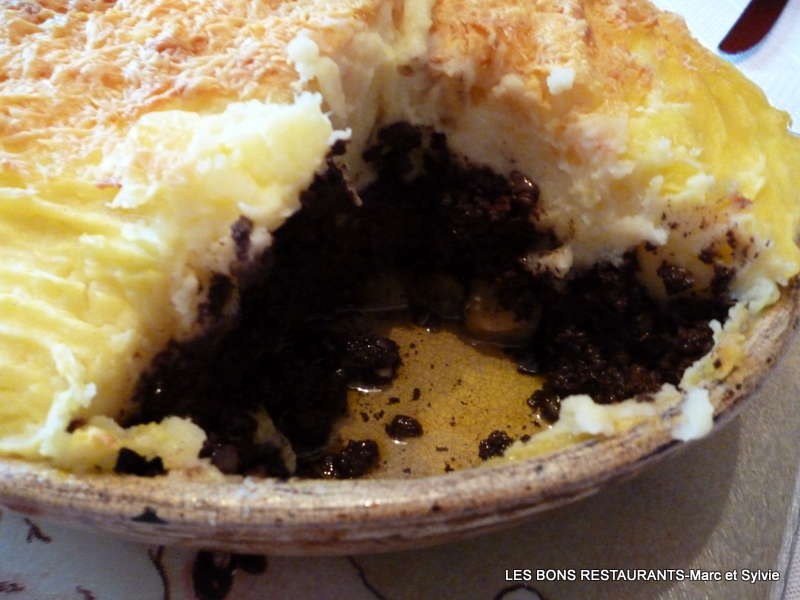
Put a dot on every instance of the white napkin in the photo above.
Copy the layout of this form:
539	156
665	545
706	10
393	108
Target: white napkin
774	64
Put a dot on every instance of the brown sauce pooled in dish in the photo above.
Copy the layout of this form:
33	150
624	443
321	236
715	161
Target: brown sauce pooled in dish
444	244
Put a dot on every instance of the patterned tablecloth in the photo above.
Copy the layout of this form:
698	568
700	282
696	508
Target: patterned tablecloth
727	505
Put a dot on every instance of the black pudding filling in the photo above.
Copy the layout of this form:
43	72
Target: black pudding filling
428	217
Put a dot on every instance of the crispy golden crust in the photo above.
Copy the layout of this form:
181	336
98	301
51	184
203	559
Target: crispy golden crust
74	76
616	47
72	72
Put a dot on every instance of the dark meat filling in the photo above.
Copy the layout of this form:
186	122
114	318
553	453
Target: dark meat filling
402	427
132	463
603	336
426	215
494	445
357	458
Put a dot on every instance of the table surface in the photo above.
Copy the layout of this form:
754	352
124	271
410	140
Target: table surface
726	505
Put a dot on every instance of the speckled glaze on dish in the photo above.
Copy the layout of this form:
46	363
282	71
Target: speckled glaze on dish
345	517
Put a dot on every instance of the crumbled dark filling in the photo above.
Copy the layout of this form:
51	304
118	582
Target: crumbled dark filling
602	335
723	276
468	222
438	226
370	360
546	404
356	459
402	427
676	279
130	462
219	293
240	234
243	455
494	445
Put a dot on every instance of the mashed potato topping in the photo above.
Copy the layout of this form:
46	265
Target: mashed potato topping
134	134
102	276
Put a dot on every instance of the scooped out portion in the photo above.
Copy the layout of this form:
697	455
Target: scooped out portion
328	310
191	195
